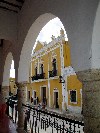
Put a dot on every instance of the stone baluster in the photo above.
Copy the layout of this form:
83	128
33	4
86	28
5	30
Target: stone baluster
91	99
22	98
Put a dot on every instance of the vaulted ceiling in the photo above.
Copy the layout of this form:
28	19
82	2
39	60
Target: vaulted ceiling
11	5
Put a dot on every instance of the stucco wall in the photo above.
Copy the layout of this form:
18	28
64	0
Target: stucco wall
77	18
95	48
8	32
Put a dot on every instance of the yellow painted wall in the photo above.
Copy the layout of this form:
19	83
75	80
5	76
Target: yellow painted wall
47	58
74	84
38	47
66	50
33	66
37	86
57	52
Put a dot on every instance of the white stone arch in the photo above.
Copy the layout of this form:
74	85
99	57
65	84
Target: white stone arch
24	63
6	72
95	47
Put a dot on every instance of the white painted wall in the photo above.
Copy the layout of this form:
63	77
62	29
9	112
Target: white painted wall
6	73
28	46
77	17
95	52
8	31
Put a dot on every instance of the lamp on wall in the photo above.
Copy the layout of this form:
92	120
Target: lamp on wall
61	80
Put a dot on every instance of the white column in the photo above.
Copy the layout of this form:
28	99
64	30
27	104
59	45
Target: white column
66	92
49	84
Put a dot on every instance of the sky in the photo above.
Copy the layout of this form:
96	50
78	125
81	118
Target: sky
12	70
53	27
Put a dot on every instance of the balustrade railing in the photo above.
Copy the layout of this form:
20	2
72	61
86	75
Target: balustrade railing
42	121
12	111
38	76
53	73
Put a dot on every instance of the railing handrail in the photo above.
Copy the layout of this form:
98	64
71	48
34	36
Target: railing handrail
55	115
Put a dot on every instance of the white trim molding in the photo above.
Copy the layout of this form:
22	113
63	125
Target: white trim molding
67	71
54	42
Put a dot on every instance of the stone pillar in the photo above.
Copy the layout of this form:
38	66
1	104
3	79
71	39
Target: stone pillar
22	98
91	99
5	92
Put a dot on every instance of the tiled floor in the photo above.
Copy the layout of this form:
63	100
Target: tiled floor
7	126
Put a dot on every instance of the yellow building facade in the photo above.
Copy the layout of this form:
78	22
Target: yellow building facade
12	86
52	78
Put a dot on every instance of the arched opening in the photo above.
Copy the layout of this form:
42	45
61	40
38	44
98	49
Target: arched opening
6	75
49	33
8	84
60	66
7	66
52	27
23	74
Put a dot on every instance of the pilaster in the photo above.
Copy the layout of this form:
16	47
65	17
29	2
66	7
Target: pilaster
22	98
91	99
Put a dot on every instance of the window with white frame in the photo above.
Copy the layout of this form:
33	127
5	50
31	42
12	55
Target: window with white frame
54	61
73	96
36	68
41	68
54	64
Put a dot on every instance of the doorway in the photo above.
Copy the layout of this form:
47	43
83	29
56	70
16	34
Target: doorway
56	102
43	95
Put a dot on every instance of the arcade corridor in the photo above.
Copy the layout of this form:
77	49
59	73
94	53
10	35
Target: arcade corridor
20	23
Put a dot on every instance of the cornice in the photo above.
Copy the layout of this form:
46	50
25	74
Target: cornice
59	40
